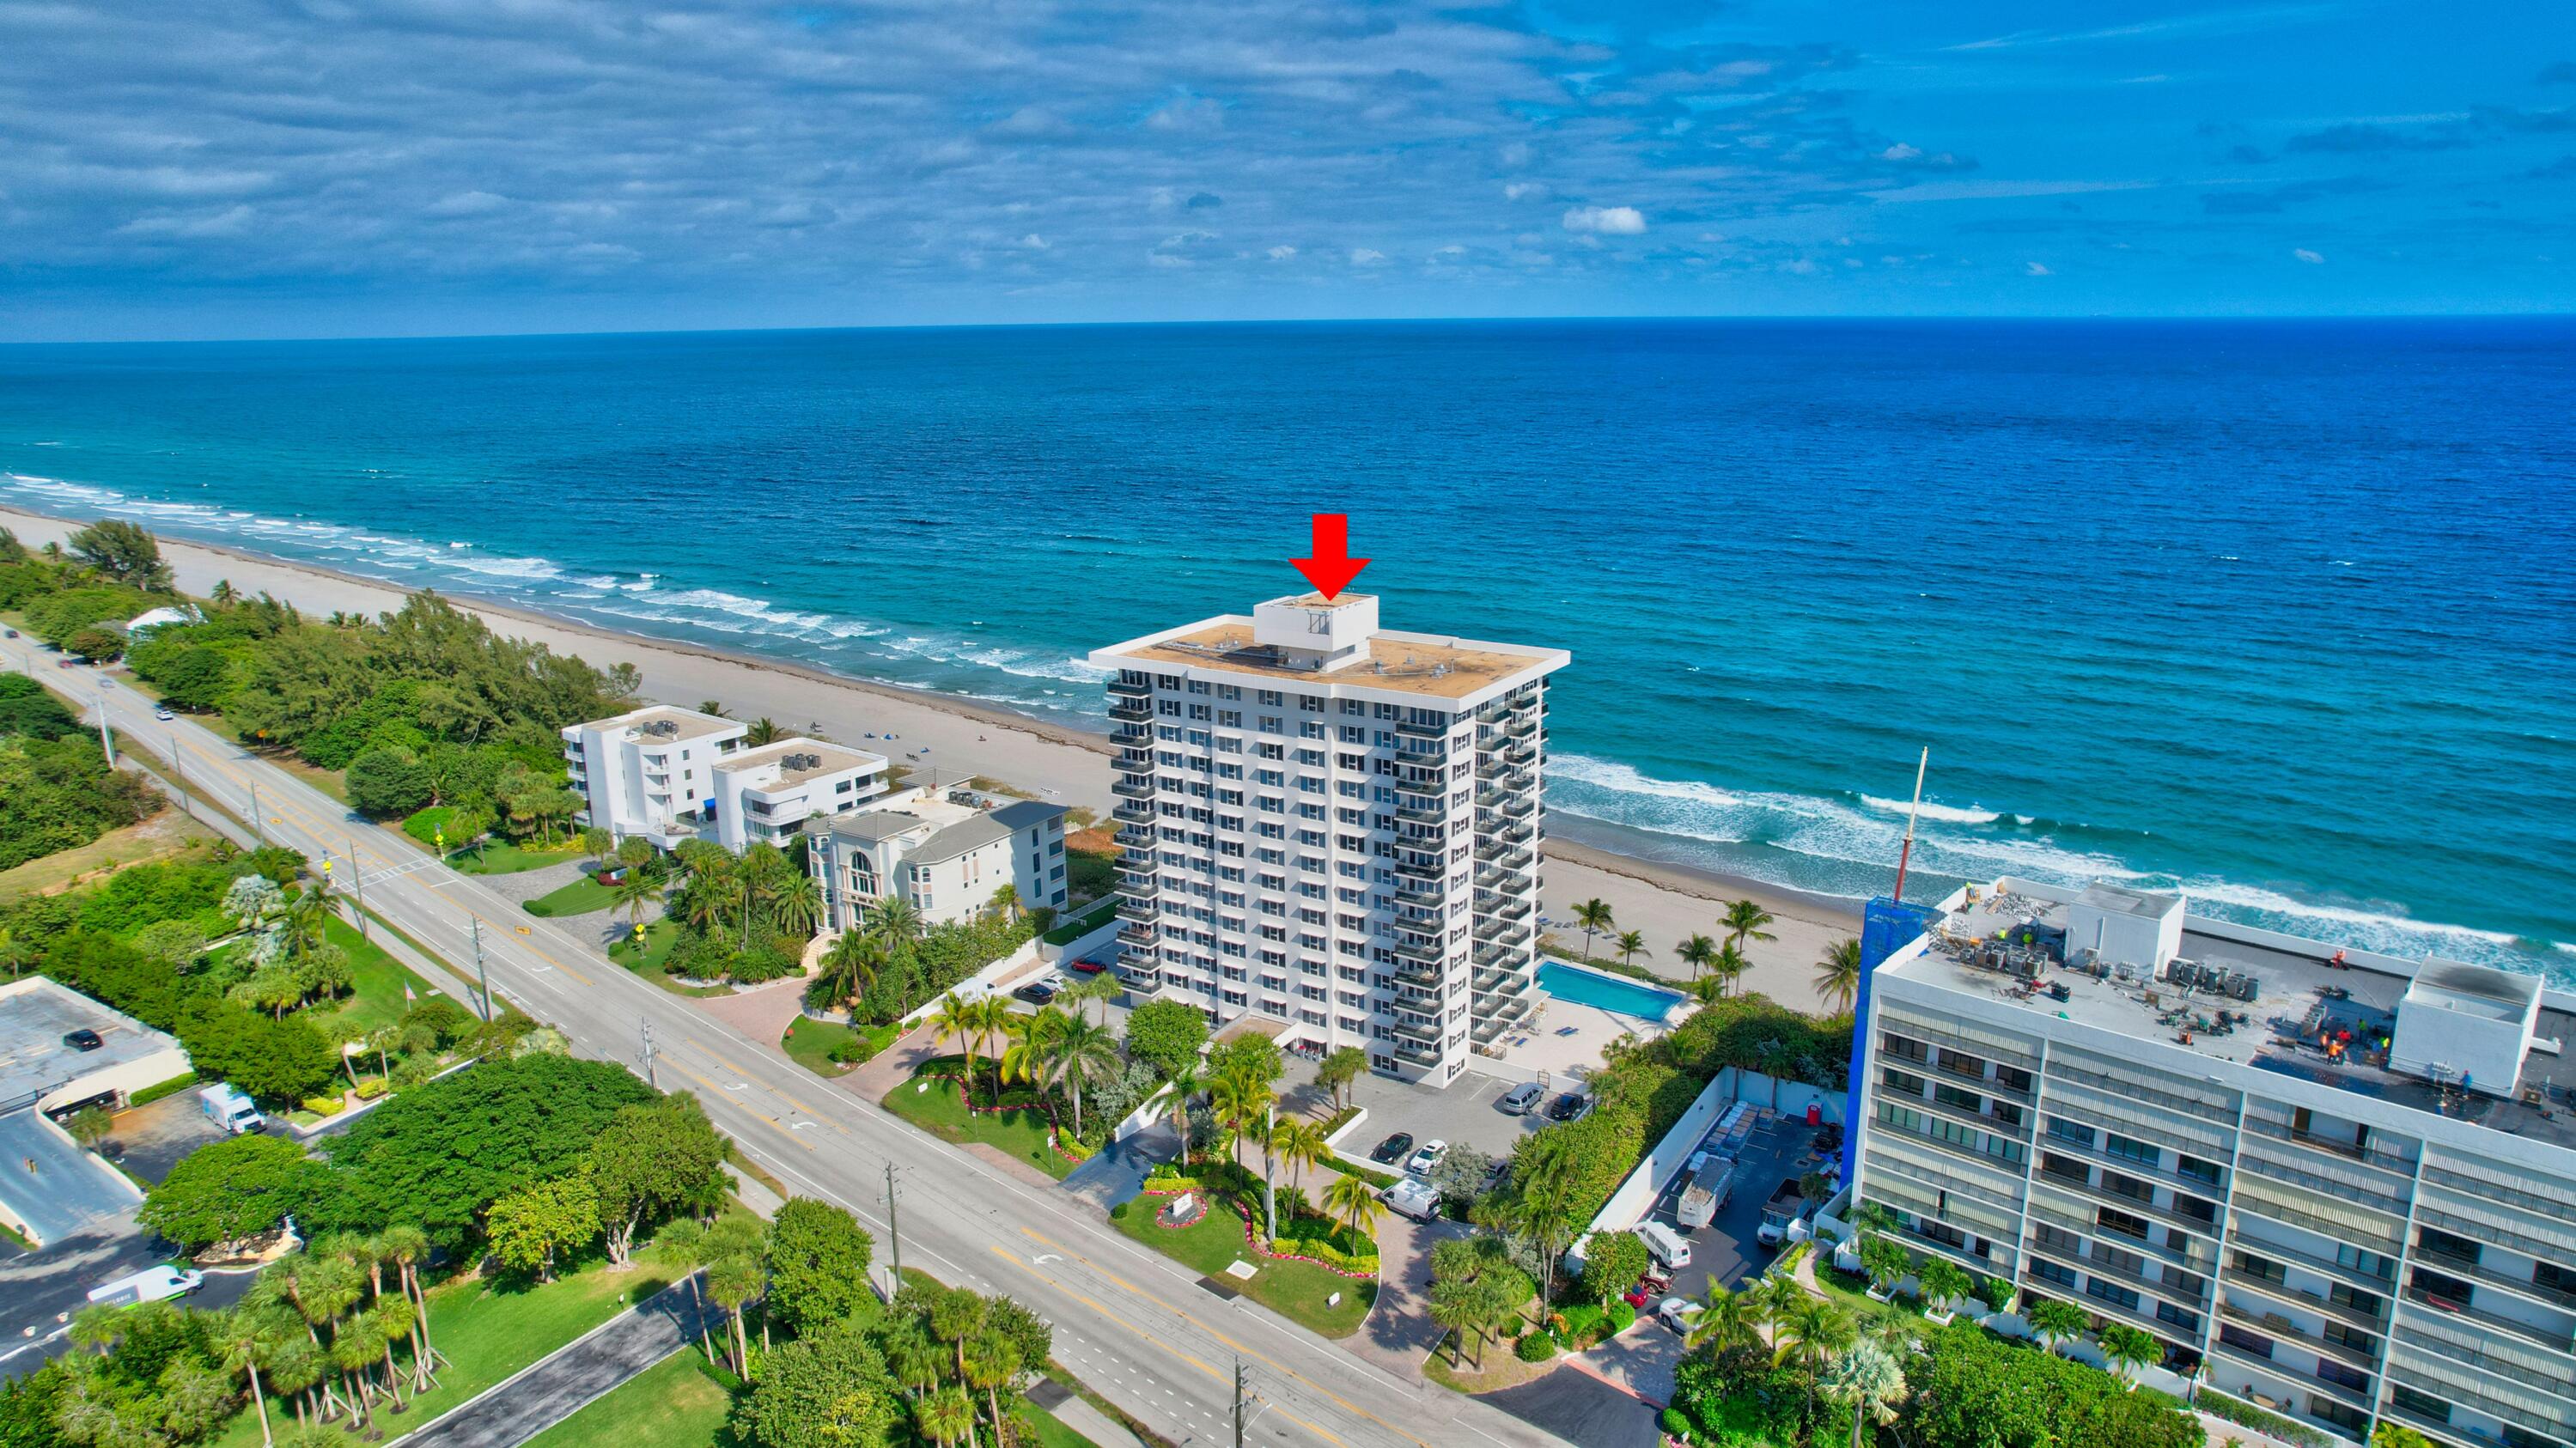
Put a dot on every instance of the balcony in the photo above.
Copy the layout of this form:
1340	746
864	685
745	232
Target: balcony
2275	1325
1418	1055
1519	807
1424	896
1134	836
1502	933
1506	908
1502	854
1130	688
1414	973
1131	711
1521	728
1132	736
1139	934
1431	874
1421	752
1414	1031
2486	1276
1134	813
1132	908
2305	1382
2556	1340
2390	1161
1409	729
1421	954
2237	1276
1415	815
1131	788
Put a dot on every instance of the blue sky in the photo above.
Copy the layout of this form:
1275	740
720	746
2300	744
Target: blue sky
273	168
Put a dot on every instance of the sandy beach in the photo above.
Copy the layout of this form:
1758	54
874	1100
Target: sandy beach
952	739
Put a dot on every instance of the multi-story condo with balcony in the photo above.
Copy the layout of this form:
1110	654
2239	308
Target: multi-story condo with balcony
1333	826
946	856
667	774
2336	1184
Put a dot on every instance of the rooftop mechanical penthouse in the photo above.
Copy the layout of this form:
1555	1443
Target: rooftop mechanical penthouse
1333	826
2336	1184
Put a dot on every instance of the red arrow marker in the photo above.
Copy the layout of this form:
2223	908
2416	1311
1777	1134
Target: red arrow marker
1332	567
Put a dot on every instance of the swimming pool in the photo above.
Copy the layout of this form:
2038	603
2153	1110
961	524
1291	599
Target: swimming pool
1609	992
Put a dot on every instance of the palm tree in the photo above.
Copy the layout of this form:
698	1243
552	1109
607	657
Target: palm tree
946	1416
733	1280
992	1360
1025	1058
1079	1054
2127	1348
1006	902
1594	916
763	730
995	1018
1353	1203
2056	1322
1726	967
963	1022
799	904
713	706
247	1341
851	964
1838	974
1631	943
764	873
1943	1282
1867	1378
1744	921
1696	952
1186	1083
681	1246
599	844
1770	1301
1301	1145
899	918
1811	1334
406	1247
956	1315
633	892
1241	1099
1725	1319
1546	1175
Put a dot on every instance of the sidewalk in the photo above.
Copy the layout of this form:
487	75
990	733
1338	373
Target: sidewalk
1080	1416
555	1387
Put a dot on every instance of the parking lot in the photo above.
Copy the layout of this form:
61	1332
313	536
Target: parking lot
1725	1251
1463	1114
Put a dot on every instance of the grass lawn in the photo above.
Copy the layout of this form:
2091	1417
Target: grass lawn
937	1110
585	896
678	1402
500	857
489	1334
1294	1290
1502	1369
378	998
809	1044
167	833
659	937
1043	1428
1081	925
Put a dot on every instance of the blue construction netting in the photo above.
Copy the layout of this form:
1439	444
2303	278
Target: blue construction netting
1886	927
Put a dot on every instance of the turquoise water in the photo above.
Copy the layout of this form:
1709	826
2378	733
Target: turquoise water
2280	614
1590	988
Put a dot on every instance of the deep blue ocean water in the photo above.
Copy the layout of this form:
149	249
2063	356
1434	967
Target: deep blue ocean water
2282	613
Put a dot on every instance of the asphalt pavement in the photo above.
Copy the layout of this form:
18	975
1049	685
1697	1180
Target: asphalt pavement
1133	1323
557	1386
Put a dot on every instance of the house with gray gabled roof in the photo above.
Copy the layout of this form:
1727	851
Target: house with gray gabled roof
949	856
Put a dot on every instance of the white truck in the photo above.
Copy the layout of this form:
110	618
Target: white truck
228	1108
1413	1197
152	1284
1707	1193
1787	1207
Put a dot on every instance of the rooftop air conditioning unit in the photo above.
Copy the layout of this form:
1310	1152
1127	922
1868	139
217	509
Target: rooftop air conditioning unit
661	728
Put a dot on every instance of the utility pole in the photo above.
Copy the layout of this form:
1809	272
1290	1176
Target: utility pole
106	740
650	1077
258	830
1238	1403
358	886
894	1232
481	979
179	773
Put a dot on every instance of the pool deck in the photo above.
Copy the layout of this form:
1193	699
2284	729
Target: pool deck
1566	1037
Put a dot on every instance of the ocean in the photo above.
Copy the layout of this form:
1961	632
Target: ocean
2282	614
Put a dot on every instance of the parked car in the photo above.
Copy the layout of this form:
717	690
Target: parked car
1676	1313
1428	1158
1088	967
1637	1297
62	663
13	633
1666	1245
1392	1150
83	1039
1519	1100
163	714
1572	1106
1036	992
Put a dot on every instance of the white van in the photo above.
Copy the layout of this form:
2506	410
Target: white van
152	1284
1666	1244
227	1107
1413	1197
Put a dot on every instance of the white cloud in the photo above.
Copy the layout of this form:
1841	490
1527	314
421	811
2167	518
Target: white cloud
466	203
1366	256
1606	220
2312	258
1901	152
2034	269
1282	253
1195	114
1166	259
1033	242
228	222
1523	191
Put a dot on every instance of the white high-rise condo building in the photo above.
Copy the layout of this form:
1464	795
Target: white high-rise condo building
2338	1185
1333	827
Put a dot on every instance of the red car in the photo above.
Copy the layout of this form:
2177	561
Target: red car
1087	967
1637	1296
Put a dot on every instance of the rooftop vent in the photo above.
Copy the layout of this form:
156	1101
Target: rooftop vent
662	728
803	761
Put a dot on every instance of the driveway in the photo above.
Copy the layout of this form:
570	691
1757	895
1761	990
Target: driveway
156	1135
1399	1331
1118	1174
559	1385
39	1291
1581	1409
53	1186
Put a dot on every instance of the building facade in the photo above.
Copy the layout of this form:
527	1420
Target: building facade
667	774
1333	826
946	857
2338	1185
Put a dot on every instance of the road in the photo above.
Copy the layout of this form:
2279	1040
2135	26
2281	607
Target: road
1136	1326
557	1386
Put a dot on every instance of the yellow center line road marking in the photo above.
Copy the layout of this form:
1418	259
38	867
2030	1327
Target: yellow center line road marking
1210	1329
1103	1309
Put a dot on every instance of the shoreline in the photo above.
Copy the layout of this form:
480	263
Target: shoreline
951	739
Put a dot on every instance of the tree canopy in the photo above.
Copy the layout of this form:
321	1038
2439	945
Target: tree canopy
233	1188
818	1264
1166	1033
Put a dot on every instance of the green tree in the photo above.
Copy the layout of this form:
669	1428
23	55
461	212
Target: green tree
1077	1054
97	644
1744	920
2398	1435
1866	1379
1339	1068
1612	1261
530	1225
599	844
124	552
2129	1349
1166	1034
946	1416
1943	1282
1353	1203
818	1265
2056	1322
232	1188
89	1126
1630	945
1595	917
651	1160
828	1389
388	783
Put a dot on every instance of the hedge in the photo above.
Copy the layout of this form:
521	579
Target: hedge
160	1089
2244	1414
325	1105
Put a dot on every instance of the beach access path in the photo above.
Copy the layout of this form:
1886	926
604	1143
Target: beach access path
1134	1324
956	739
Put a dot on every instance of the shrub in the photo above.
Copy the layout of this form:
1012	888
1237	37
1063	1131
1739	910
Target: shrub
1675	1424
324	1105
1582	1324
1534	1347
425	825
99	644
371	1088
1118	1213
160	1089
2244	1414
1620	1316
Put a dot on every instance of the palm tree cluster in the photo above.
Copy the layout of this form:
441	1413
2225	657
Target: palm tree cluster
291	959
1050	1050
337	1332
730	1260
857	958
744	917
960	1359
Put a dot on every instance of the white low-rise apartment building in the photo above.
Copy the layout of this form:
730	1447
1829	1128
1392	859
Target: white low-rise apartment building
946	856
2336	1184
668	774
1333	826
